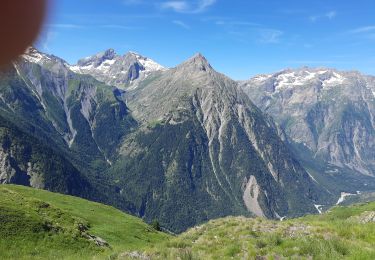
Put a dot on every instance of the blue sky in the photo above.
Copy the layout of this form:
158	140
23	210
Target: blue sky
240	38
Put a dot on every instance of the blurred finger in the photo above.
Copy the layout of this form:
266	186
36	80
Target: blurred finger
20	23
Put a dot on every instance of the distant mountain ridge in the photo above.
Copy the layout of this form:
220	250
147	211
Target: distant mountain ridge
332	113
116	70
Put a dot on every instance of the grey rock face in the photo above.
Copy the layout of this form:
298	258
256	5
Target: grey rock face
68	99
328	111
97	59
18	171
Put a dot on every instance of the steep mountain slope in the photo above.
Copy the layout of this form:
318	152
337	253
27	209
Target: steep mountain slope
116	70
203	150
91	117
27	156
328	113
36	224
26	160
59	130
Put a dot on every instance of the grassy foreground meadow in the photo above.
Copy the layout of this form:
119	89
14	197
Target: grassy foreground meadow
36	224
342	233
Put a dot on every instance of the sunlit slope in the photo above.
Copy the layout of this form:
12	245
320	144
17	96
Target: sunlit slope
36	224
342	233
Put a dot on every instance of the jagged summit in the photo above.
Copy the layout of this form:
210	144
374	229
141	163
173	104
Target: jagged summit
197	63
148	64
117	70
35	56
97	59
299	78
110	53
308	73
31	49
135	54
199	56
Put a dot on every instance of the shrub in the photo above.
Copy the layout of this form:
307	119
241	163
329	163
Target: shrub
156	225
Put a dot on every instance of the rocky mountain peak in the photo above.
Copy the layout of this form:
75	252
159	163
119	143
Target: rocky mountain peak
31	50
117	70
97	59
196	63
199	56
147	64
35	56
135	54
109	54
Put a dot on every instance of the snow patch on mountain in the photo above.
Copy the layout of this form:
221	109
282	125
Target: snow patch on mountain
290	79
294	79
262	78
34	56
148	64
120	71
335	80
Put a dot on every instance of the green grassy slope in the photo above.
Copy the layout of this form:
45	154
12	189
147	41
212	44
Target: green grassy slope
342	233
36	224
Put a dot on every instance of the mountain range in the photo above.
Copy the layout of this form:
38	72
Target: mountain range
187	144
327	114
